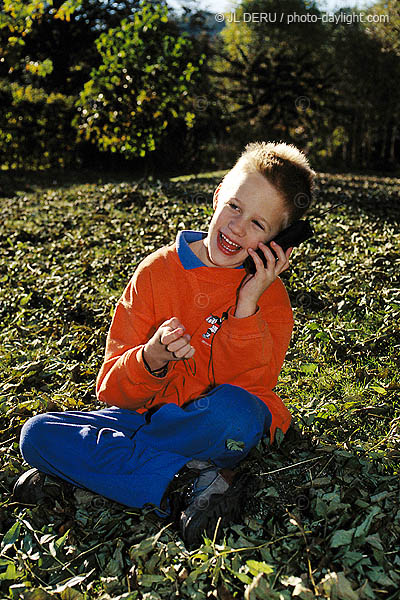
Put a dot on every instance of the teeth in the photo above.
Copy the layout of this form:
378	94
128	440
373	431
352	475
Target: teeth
229	241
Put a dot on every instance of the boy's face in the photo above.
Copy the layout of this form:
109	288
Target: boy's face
248	209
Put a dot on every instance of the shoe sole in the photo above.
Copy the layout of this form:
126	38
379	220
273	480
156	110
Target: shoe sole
228	506
34	486
21	487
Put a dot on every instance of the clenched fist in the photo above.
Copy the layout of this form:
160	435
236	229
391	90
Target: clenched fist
168	343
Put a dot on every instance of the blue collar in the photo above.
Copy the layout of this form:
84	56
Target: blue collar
187	257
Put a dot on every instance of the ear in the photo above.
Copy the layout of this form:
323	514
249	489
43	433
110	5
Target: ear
215	198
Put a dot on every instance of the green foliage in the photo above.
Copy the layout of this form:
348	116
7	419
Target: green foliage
144	89
35	128
325	522
141	87
63	52
234	445
18	17
386	29
368	97
330	88
273	75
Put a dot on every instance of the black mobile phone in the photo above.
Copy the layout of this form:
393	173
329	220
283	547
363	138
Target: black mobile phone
292	236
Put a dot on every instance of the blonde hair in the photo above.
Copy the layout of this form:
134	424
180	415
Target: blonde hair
285	167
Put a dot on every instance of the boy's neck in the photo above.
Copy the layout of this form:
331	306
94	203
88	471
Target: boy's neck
199	249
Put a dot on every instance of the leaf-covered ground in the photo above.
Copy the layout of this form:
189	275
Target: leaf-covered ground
325	522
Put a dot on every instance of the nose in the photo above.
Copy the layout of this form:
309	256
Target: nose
237	226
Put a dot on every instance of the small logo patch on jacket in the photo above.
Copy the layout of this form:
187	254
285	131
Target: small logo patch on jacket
215	323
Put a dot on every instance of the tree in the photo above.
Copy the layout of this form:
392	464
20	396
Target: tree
386	29
329	87
67	45
17	19
272	74
368	101
142	86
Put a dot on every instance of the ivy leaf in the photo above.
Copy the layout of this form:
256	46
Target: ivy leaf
256	567
342	537
11	537
234	445
279	436
308	367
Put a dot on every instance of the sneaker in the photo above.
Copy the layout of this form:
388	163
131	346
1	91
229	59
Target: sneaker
34	487
200	494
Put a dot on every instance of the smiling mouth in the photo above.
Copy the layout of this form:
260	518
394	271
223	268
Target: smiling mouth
227	246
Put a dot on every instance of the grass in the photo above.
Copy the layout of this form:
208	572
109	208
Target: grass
326	521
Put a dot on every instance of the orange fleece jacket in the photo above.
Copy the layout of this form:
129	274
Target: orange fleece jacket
247	352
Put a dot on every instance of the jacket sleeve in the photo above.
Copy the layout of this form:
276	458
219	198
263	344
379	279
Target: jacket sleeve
249	352
123	379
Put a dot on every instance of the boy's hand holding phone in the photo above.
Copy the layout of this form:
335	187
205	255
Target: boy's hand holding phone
260	275
168	343
254	286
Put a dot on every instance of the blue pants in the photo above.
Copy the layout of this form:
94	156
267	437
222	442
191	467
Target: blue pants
115	452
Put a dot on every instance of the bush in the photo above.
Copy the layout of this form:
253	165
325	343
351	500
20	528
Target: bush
142	88
35	128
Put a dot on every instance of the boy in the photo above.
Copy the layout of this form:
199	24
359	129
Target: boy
193	353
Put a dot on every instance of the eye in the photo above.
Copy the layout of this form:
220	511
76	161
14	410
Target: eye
259	225
233	205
